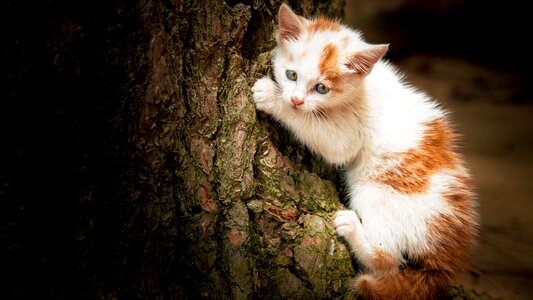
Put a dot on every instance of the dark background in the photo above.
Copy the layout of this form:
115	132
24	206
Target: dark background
491	33
59	97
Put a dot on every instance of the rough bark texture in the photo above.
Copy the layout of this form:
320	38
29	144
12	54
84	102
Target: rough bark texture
136	165
215	209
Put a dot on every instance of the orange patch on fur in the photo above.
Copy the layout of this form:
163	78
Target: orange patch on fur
329	66
406	284
329	61
434	153
383	262
323	24
453	234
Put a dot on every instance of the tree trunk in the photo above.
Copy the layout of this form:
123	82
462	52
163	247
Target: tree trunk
209	206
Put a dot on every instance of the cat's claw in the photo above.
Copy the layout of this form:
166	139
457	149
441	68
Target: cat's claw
264	91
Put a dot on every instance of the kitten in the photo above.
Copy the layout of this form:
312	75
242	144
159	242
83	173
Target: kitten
412	217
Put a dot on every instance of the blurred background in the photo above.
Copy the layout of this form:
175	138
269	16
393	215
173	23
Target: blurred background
473	58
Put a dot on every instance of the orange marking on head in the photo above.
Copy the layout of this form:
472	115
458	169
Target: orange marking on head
434	153
323	24
329	61
329	66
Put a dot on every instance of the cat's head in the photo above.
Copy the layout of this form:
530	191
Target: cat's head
320	64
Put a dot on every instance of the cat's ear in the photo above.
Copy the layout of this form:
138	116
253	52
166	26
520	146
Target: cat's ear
290	24
362	62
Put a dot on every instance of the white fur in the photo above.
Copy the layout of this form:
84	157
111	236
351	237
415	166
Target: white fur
397	111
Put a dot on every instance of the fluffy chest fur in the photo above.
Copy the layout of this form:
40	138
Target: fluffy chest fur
337	140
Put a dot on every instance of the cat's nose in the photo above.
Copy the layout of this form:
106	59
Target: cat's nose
297	101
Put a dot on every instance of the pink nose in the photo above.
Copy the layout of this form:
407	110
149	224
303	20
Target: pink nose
297	101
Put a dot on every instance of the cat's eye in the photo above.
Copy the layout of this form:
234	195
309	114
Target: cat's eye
321	88
291	75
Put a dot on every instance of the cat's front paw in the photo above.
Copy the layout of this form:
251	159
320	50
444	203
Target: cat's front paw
346	224
264	91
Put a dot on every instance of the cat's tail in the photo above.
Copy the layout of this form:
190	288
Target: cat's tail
405	284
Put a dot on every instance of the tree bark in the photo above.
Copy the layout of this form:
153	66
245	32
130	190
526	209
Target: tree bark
210	200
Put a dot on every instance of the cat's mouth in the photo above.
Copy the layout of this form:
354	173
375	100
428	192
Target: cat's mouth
296	107
301	109
309	113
